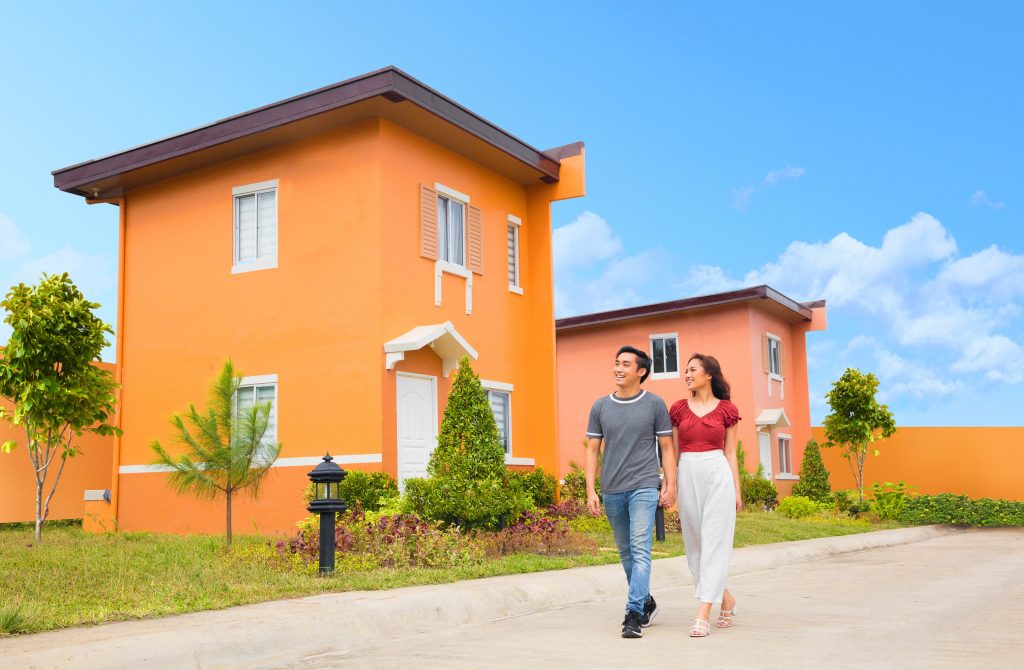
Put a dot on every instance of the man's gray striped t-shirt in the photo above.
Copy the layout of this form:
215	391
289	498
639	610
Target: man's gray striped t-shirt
630	428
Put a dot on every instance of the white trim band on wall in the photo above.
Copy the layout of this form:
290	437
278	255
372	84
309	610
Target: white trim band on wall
300	461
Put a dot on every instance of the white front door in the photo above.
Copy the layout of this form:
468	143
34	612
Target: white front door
764	441
416	405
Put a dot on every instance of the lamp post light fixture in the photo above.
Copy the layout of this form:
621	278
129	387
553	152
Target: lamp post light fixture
326	477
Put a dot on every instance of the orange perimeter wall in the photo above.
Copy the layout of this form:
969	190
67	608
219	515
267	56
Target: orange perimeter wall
90	469
979	462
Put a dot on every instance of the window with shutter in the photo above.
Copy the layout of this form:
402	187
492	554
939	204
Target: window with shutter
501	402
512	242
255	227
774	356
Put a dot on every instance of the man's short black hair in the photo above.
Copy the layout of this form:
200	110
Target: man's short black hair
642	360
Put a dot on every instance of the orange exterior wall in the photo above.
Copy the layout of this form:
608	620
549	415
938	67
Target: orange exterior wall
978	462
731	333
349	278
90	469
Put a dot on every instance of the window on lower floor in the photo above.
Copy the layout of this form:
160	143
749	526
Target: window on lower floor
665	356
501	407
785	456
263	390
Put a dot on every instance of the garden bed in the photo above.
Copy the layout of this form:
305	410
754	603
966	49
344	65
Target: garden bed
75	578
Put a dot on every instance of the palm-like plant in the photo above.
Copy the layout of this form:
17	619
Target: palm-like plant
226	451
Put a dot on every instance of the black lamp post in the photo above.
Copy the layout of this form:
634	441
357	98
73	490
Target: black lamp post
326	476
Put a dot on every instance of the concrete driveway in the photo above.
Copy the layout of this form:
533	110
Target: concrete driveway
912	598
955	601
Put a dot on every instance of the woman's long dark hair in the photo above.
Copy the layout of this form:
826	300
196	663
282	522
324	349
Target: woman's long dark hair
719	387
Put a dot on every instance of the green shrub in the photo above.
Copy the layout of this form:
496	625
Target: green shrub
369	490
961	510
574	484
469	485
848	501
887	499
758	492
539	485
813	482
798	507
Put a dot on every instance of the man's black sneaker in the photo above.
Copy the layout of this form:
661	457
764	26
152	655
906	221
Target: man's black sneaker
631	625
650	611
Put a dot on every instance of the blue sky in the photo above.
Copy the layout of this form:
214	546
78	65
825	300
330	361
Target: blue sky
867	153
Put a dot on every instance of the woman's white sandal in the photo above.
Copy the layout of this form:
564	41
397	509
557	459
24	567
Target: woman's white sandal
725	618
700	628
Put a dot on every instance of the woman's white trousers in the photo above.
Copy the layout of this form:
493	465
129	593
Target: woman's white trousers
707	513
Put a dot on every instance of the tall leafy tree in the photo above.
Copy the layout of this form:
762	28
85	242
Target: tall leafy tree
47	376
857	420
226	450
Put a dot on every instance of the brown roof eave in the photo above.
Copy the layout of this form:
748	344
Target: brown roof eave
762	292
389	82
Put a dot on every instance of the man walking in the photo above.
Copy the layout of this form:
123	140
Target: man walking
632	424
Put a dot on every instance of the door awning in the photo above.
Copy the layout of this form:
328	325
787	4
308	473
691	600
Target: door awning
442	338
773	418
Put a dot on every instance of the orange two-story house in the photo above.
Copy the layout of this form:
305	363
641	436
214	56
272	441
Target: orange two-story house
757	334
344	248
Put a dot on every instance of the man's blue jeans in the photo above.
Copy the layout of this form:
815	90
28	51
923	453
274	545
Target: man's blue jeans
631	514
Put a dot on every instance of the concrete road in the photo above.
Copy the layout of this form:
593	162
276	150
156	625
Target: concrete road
955	601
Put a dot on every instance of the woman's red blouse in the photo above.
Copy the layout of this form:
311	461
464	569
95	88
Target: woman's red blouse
703	433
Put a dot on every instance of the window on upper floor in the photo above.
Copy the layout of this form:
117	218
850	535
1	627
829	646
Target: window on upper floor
513	254
785	456
665	356
772	355
259	389
451	232
255	227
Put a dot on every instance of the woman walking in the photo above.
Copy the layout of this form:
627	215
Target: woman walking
704	432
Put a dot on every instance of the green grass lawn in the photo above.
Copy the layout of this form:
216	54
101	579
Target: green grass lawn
75	578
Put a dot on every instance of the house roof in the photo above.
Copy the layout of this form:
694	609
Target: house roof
766	295
388	93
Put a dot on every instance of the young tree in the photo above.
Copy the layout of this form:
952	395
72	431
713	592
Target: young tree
47	375
468	443
857	420
225	448
813	482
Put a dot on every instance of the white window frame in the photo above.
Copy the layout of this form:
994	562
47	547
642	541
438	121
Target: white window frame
785	464
451	195
237	266
663	336
515	223
256	381
505	388
776	372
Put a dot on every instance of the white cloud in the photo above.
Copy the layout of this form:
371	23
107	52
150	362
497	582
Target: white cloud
953	314
705	279
996	356
783	174
980	199
998	271
13	244
592	275
742	195
587	239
